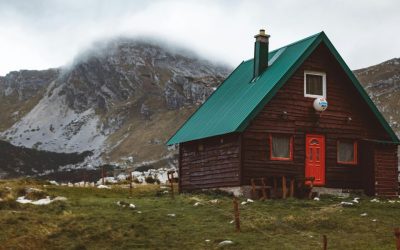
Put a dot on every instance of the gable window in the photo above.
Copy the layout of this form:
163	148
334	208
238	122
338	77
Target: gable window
314	84
347	152
281	147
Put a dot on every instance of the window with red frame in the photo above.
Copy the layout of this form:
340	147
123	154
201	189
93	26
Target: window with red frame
347	152
281	147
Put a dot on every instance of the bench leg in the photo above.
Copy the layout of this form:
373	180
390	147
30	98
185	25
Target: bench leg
253	189
275	187
291	187
264	193
284	187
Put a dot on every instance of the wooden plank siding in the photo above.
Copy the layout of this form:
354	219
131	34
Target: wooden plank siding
344	101
216	165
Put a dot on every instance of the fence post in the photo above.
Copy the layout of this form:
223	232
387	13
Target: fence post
236	214
102	175
397	234
325	242
170	175
130	184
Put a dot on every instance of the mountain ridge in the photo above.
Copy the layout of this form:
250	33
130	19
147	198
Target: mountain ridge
107	101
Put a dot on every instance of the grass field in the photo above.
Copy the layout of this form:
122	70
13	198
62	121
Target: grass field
91	219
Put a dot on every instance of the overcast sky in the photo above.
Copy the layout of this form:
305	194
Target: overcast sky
50	33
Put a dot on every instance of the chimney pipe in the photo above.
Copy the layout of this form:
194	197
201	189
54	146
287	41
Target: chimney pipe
261	53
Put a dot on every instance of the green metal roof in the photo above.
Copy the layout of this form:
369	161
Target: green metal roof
240	97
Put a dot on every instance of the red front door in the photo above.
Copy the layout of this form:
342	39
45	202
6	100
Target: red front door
315	158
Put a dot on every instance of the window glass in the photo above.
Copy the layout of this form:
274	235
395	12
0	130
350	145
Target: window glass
346	152
314	84
280	146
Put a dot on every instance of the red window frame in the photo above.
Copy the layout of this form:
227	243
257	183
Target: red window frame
290	148
355	148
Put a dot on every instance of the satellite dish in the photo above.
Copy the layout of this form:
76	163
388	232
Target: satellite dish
320	104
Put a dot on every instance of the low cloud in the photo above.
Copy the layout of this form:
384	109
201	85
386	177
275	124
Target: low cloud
41	34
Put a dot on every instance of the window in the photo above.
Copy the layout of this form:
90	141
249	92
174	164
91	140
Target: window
281	147
347	152
314	84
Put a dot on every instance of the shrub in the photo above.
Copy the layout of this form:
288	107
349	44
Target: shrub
151	180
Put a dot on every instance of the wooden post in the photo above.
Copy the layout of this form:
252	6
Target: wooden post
325	242
292	187
84	178
102	175
253	189
397	234
264	192
236	214
170	175
130	183
284	187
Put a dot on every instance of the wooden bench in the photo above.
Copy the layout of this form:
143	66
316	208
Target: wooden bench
260	190
259	185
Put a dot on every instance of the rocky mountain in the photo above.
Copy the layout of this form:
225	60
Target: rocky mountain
382	82
121	100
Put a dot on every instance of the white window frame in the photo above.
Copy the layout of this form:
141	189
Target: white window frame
323	74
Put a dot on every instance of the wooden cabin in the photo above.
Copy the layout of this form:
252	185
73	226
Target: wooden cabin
297	111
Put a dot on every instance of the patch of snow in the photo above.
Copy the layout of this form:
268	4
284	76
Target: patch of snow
196	204
250	200
44	201
316	198
139	212
363	214
60	198
171	215
391	201
375	200
225	242
243	203
231	222
345	203
215	201
103	186
132	206
356	200
53	183
207	240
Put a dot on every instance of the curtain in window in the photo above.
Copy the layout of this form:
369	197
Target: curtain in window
345	151
314	85
280	146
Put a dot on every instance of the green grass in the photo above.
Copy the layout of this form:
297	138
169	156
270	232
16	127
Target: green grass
91	219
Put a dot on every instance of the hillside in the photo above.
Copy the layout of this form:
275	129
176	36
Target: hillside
121	98
19	161
382	82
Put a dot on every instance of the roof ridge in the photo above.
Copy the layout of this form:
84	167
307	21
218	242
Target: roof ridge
293	43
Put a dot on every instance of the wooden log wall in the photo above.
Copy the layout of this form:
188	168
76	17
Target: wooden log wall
386	171
210	163
344	102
